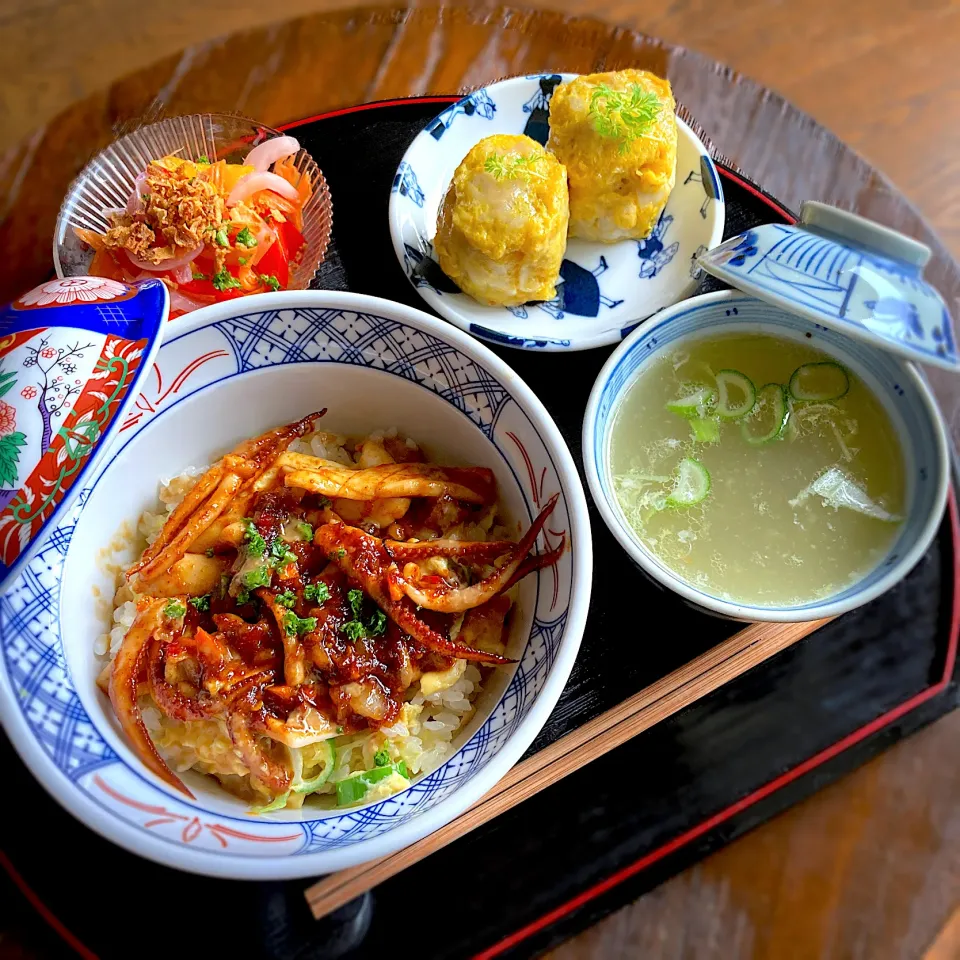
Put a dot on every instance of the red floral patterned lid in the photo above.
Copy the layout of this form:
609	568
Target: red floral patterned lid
73	353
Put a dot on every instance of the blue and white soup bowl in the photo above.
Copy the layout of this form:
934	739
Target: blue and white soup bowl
896	383
224	374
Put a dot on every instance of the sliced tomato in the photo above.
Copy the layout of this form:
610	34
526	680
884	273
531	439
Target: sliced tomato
291	238
274	263
205	288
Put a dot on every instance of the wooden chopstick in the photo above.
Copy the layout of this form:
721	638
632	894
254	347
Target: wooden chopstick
661	699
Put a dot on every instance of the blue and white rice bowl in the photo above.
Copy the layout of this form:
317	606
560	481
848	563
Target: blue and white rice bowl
897	384
606	289
226	373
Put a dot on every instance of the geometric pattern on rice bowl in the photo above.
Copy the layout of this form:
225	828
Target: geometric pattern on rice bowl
43	692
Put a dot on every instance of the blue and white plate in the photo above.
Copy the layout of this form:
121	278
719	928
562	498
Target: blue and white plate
605	289
224	373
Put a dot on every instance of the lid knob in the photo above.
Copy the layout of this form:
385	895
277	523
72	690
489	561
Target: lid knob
863	232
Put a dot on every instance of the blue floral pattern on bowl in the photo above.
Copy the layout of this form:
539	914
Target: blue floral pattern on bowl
603	288
840	270
39	699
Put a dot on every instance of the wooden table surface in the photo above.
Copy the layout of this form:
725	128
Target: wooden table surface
870	867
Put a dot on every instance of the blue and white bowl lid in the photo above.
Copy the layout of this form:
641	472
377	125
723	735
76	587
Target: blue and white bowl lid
847	273
74	353
605	290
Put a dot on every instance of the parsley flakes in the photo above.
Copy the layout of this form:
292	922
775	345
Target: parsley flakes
245	238
295	626
256	545
286	599
316	592
222	280
357	629
174	610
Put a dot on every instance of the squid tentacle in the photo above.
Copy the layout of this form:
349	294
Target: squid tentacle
457	600
123	691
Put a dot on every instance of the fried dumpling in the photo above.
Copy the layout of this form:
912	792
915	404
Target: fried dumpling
616	133
502	227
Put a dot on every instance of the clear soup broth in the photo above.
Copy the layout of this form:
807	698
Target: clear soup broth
758	469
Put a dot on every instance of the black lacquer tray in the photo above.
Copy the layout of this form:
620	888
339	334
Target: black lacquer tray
587	844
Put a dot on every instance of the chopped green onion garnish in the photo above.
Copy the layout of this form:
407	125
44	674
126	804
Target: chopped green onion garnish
696	403
354	788
691	484
736	394
768	417
824	380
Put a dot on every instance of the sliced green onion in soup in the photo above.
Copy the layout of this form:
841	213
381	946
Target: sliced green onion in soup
768	417
691	485
736	394
695	402
823	380
705	430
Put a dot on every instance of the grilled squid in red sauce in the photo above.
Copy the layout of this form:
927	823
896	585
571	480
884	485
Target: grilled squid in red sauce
315	617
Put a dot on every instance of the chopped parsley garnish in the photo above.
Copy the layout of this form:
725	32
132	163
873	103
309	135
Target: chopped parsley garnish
323	501
256	545
305	529
202	604
243	596
197	275
222	280
257	577
286	599
356	629
355	598
208	552
270	280
245	238
203	159
623	115
297	626
174	610
221	237
340	553
381	758
243	261
316	592
281	554
522	167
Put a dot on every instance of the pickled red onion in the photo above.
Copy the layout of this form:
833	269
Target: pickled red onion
180	301
262	157
183	273
170	264
255	182
135	202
